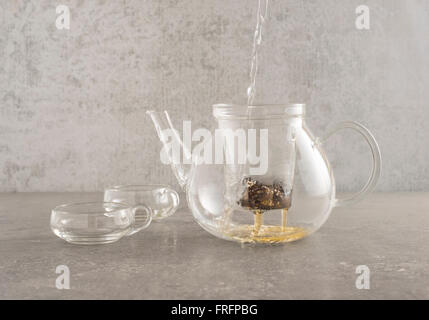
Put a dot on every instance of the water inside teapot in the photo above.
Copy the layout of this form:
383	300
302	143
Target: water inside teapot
264	233
263	198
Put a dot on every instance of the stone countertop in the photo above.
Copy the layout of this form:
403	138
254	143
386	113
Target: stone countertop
176	259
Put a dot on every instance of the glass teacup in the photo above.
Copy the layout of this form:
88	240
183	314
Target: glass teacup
98	222
162	199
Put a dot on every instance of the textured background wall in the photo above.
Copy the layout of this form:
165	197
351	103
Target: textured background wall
73	102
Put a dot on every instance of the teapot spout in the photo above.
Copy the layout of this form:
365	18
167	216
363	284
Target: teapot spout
172	146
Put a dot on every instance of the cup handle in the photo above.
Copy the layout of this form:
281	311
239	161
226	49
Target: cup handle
174	200
141	221
376	161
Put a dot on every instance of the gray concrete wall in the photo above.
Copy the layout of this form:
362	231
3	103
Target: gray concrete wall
73	102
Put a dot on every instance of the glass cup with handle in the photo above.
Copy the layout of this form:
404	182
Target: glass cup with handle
162	199
98	222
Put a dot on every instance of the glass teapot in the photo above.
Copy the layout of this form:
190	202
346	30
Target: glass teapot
269	181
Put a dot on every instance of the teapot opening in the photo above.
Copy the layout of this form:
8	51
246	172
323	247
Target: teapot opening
254	112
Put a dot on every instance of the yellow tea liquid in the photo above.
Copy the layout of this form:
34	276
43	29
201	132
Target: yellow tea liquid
260	233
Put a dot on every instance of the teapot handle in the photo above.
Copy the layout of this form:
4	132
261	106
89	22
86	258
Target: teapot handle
376	161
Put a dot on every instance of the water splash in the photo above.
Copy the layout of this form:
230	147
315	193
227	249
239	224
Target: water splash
257	41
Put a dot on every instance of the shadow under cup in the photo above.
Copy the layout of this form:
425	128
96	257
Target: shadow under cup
161	199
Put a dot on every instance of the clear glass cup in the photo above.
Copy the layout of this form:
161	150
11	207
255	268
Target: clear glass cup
162	199
98	222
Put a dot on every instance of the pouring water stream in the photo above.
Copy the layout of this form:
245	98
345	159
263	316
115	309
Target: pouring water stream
257	42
